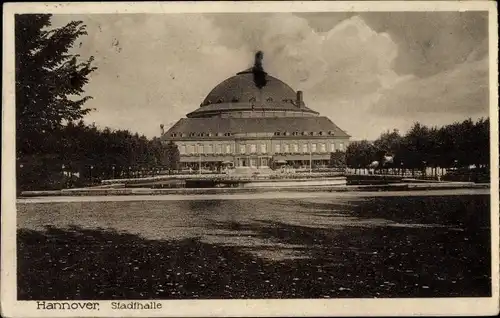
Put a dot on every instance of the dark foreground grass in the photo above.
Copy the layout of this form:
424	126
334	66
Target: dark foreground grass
82	264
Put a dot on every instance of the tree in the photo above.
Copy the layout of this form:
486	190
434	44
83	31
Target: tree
49	80
172	156
338	159
388	145
360	154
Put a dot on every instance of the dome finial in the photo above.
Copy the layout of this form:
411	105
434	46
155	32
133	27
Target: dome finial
259	76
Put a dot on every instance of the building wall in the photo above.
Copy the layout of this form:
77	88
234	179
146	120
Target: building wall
259	146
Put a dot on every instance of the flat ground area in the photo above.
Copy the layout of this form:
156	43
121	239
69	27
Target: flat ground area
276	245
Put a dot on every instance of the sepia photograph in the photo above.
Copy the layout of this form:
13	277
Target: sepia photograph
246	154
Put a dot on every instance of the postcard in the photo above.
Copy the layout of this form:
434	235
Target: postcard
250	159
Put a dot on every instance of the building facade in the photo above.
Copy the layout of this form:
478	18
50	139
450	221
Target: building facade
243	123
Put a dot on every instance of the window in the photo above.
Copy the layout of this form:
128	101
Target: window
200	148
295	148
263	148
277	148
228	148
192	149
286	148
323	147
253	148
341	146
227	134
313	147
210	149
277	133
305	148
320	133
182	149
332	147
218	148
311	133
242	148
295	133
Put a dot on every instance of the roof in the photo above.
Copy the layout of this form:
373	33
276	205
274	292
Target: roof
268	106
242	87
255	125
241	92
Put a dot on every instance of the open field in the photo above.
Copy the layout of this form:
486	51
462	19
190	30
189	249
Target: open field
379	245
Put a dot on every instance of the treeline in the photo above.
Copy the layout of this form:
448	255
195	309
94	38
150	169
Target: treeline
458	145
77	155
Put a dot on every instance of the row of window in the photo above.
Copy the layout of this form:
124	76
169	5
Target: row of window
277	133
251	100
200	134
304	133
252	148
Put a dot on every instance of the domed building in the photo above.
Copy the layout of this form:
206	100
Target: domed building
255	120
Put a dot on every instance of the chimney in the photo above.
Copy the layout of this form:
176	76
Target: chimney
162	128
299	99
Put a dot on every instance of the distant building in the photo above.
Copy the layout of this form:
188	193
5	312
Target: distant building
243	125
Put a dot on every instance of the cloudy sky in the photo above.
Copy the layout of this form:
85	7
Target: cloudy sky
368	72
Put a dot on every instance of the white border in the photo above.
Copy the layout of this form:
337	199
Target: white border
344	307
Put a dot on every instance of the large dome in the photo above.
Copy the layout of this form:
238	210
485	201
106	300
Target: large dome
240	93
241	88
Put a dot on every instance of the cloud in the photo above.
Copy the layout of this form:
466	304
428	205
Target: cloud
462	90
154	69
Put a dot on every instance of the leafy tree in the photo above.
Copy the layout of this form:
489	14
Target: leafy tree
360	154
338	159
49	80
172	156
387	145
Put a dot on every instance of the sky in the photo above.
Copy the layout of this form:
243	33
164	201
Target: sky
369	72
